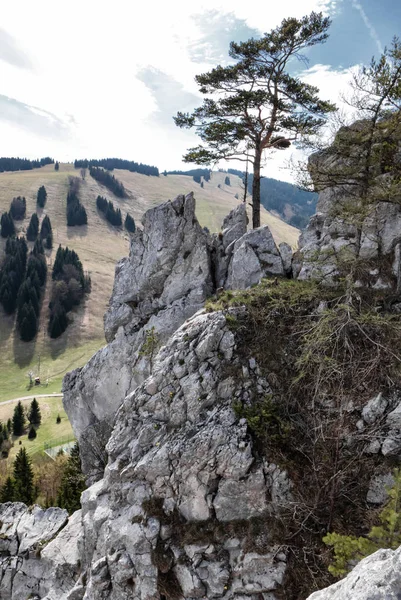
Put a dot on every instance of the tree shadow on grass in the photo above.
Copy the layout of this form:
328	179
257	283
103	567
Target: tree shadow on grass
23	351
6	327
77	231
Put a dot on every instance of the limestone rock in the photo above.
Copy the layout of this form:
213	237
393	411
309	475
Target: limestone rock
377	577
165	280
34	560
254	256
330	239
173	266
179	458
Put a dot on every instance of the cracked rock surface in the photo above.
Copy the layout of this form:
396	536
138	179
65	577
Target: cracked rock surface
173	266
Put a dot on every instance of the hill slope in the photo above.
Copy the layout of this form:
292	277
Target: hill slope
99	246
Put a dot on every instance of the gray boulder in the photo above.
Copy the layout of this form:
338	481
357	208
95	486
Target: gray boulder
377	577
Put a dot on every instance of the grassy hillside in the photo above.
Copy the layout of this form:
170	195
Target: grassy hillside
99	246
49	431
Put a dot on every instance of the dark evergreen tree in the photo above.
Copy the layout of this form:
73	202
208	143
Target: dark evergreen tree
76	213
227	180
23	477
58	321
32	433
41	196
33	228
129	223
49	241
12	272
9	425
18	208
28	323
34	416
196	178
102	204
7	493
72	483
56	166
18	419
259	105
7	225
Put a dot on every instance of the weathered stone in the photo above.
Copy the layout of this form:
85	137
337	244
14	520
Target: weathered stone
377	492
374	409
377	577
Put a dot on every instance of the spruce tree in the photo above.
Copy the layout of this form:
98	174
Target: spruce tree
129	223
34	416
72	483
32	433
7	493
23	477
33	228
56	165
41	196
18	422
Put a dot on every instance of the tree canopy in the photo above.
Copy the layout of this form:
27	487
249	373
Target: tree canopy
259	106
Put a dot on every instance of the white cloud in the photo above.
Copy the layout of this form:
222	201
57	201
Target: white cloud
88	60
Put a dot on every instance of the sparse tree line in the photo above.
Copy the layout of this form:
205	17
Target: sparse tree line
117	163
59	483
109	181
113	215
70	284
23	164
197	174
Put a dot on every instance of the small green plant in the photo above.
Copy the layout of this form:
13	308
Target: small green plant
348	549
150	344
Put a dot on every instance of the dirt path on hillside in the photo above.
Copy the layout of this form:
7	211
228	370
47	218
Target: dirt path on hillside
54	395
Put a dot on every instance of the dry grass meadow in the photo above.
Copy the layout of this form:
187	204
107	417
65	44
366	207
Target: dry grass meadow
99	246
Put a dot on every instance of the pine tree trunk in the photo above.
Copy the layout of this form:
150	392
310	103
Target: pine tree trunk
256	190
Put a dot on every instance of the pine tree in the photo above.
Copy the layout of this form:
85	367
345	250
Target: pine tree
18	419
33	228
56	166
72	483
18	208
34	416
259	105
23	476
7	493
32	433
41	196
7	225
129	223
227	180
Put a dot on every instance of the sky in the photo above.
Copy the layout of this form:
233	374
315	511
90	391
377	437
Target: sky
90	79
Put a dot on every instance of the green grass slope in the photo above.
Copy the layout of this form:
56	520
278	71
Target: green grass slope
99	246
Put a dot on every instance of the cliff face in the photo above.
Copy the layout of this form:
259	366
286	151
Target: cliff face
172	268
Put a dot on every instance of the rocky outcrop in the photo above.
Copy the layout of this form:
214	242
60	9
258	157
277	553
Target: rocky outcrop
173	266
183	481
358	215
185	507
377	577
34	563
